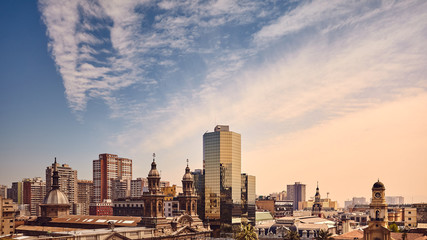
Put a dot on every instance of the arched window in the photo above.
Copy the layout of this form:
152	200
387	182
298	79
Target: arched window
377	214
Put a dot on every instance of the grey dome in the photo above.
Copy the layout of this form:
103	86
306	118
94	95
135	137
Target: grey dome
153	172
379	185
187	176
55	196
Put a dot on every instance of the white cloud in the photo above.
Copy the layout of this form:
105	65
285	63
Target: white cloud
308	65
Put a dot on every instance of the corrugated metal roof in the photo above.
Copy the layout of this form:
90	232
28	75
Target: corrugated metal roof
98	220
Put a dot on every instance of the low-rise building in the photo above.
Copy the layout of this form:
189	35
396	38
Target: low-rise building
101	209
410	217
128	207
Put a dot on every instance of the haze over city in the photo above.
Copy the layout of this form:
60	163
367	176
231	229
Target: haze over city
334	92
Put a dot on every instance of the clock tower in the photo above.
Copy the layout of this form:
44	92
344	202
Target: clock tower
378	207
378	221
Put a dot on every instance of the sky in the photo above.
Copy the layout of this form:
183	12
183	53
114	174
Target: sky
334	92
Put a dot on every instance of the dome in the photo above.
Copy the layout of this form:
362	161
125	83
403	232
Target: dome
378	185
55	196
187	176
153	172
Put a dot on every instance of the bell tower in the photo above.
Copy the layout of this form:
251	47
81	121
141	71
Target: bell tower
378	221
154	213
378	207
188	200
317	205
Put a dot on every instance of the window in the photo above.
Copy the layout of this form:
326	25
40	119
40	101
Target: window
409	212
409	219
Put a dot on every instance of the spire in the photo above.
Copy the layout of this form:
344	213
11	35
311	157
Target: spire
55	176
187	169
317	196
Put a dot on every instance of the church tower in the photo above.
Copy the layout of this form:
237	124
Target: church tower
154	213
317	205
378	222
55	203
188	200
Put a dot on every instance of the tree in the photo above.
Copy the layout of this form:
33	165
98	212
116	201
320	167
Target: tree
393	227
291	235
247	232
324	235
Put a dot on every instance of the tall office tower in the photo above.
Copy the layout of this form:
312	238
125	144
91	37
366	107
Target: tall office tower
137	187
248	198
84	195
199	187
34	191
222	165
296	193
106	169
67	181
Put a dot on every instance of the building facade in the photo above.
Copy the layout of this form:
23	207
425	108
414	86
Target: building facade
296	193
7	216
222	167
248	198
3	191
199	188
102	209
34	190
84	195
105	170
137	187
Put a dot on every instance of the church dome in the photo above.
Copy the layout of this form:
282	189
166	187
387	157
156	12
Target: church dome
187	176
55	196
153	172
379	185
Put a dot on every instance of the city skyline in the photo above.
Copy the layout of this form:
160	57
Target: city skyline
332	92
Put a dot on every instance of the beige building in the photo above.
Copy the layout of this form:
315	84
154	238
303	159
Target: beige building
7	216
327	204
34	190
410	217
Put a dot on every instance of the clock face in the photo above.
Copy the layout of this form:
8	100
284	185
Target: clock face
377	195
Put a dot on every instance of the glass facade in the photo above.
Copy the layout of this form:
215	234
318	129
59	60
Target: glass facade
248	198
222	165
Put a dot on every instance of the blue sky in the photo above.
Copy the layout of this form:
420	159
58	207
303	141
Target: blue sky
316	89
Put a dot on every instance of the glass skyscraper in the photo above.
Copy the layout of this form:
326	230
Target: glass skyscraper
222	165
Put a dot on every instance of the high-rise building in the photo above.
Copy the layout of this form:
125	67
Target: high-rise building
67	181
3	191
105	170
199	187
17	192
222	166
121	188
248	198
84	195
296	192
137	187
34	191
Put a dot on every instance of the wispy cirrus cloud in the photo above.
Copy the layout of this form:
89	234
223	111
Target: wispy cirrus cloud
170	68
